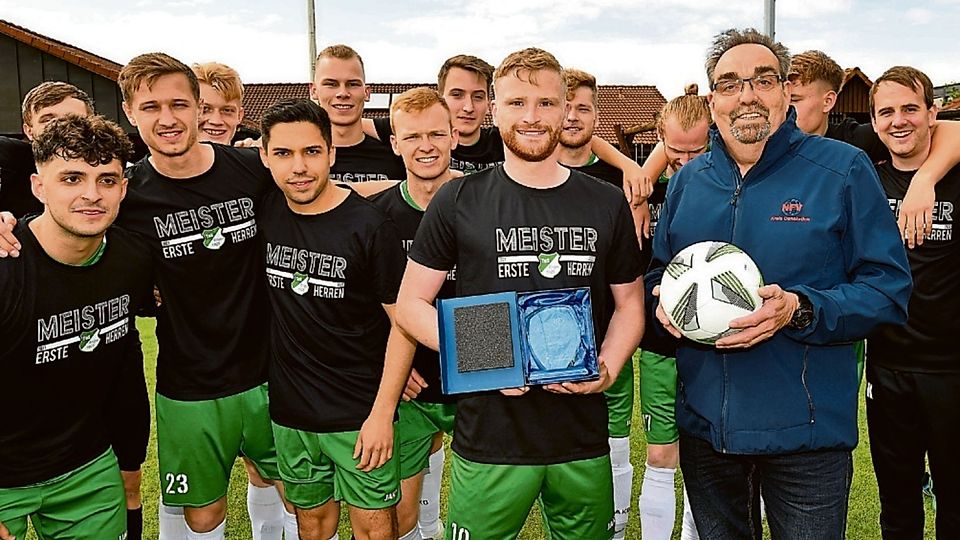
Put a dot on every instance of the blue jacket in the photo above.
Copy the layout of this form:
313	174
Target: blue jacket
813	216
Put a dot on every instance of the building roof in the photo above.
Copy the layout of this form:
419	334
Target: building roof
627	105
854	72
59	49
257	97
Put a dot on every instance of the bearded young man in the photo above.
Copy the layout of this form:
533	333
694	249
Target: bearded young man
514	446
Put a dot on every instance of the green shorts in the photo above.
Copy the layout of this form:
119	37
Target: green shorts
87	502
419	422
620	402
199	441
492	501
316	467
658	397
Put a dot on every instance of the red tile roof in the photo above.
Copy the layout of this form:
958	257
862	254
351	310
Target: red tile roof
63	51
257	97
627	105
396	88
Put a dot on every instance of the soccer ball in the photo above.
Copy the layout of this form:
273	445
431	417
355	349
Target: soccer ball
707	285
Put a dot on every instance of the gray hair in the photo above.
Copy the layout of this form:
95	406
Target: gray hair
729	39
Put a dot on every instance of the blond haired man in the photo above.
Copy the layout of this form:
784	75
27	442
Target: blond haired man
683	127
221	97
424	138
515	446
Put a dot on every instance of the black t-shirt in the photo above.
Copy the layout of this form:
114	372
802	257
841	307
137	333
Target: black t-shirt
67	340
426	361
655	202
367	160
328	276
16	166
213	324
860	135
927	342
598	168
484	154
496	232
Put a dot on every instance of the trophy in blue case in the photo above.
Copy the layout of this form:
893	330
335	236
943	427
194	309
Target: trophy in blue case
508	340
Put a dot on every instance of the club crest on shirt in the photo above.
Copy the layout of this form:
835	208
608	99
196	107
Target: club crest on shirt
549	264
299	283
89	340
213	238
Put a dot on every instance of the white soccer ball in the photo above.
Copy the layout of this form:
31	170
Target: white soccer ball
707	285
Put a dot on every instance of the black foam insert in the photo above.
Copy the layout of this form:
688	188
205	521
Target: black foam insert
483	337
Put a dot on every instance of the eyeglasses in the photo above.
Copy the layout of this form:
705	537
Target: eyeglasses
760	83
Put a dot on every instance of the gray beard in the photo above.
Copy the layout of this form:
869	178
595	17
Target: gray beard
751	134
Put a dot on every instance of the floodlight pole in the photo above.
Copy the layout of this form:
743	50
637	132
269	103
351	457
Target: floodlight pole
312	36
769	18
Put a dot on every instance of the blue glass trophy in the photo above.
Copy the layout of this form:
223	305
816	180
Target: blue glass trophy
508	340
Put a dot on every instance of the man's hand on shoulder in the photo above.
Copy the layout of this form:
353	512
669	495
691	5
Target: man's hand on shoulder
915	221
775	313
249	143
9	245
636	186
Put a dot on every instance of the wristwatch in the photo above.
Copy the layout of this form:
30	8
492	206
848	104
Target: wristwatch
803	315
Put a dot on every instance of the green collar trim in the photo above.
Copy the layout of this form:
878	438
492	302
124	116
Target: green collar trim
593	159
405	193
96	254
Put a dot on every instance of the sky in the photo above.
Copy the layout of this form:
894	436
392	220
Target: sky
620	41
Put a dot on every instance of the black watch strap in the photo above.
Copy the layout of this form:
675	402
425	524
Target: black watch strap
803	315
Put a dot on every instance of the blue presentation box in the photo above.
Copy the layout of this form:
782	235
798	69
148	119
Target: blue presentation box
510	339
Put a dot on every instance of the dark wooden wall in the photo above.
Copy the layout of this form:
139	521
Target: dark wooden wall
854	97
22	67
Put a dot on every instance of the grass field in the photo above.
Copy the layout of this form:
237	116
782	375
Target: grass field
862	519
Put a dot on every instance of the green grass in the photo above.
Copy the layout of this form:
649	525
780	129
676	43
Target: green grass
864	505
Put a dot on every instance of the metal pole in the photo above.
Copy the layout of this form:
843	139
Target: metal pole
769	18
312	37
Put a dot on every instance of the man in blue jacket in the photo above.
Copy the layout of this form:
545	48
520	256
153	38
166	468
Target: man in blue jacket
774	407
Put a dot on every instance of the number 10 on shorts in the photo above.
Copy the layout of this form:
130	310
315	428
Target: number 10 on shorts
176	484
459	533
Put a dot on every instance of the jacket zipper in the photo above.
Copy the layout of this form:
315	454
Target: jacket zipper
724	400
806	389
734	202
723	408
